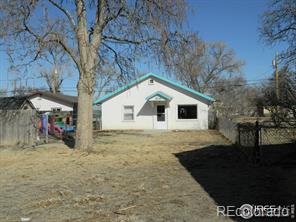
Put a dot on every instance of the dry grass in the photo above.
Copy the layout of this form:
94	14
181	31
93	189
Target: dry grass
130	176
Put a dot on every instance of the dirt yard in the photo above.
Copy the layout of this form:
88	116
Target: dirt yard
137	176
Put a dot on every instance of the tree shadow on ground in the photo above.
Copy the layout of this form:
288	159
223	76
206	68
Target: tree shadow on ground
69	140
227	176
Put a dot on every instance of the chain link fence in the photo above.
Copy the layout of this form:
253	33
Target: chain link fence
258	137
270	135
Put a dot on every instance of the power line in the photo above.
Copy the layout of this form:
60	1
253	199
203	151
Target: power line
72	89
20	79
219	84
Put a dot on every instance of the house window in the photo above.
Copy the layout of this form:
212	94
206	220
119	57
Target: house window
128	113
151	81
56	110
187	111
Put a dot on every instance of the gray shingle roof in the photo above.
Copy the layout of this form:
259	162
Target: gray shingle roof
12	103
16	102
58	96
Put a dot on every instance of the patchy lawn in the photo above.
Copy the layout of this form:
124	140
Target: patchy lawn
137	176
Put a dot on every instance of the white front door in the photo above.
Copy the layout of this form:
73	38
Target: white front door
161	117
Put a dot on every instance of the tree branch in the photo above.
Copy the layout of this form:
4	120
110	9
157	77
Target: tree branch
101	21
81	24
115	56
68	50
119	40
52	37
66	13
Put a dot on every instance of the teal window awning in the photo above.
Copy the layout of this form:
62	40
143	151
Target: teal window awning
158	97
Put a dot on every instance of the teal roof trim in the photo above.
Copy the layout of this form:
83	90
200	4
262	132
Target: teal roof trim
123	88
160	94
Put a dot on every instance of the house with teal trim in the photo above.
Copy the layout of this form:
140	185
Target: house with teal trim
154	102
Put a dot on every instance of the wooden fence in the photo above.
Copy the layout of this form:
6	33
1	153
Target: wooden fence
17	127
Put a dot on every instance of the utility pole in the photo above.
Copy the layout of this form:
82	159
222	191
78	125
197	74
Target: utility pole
7	83
275	65
14	87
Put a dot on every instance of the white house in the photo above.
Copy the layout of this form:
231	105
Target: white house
45	101
154	102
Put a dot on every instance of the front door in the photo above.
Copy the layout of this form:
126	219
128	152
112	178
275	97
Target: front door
161	119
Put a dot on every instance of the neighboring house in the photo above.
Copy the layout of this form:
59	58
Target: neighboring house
15	103
154	102
45	101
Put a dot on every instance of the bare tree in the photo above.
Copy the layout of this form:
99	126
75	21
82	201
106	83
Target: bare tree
89	31
282	106
53	78
25	90
234	97
105	79
109	78
279	25
3	92
58	70
199	64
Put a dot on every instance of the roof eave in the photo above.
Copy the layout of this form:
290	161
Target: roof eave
121	89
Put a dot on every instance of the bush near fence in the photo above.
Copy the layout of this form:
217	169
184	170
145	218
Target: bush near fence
16	127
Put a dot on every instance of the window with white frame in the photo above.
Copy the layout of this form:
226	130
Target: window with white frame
187	111
128	113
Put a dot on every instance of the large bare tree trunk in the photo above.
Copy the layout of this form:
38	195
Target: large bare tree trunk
85	87
84	130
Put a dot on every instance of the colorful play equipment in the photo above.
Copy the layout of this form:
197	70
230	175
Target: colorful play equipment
59	121
54	129
57	125
69	129
44	121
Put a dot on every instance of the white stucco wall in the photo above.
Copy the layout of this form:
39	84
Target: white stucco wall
145	114
45	105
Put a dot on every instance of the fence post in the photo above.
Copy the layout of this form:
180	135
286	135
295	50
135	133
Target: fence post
46	128
239	134
257	147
